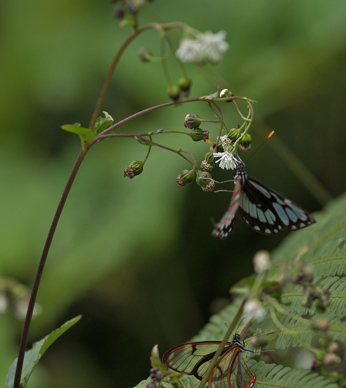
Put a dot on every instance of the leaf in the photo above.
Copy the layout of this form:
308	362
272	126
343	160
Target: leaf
103	123
33	356
272	375
334	284
298	330
85	134
321	244
185	382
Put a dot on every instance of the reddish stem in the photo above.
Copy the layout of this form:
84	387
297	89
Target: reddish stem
40	268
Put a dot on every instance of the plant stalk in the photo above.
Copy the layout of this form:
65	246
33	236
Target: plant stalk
40	268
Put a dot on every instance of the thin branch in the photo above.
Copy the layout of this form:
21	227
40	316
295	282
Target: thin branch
40	268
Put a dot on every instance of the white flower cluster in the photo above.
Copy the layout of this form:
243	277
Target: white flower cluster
206	47
228	161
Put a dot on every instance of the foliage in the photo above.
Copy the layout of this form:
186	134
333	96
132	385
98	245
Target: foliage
127	223
33	356
292	323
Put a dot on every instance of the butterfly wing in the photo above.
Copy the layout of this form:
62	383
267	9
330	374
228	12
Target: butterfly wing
231	371
192	358
269	212
226	225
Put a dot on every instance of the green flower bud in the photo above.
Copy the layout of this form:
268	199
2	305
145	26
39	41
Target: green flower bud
185	177
234	134
184	85
205	181
226	93
209	157
192	121
245	143
144	54
135	168
198	134
173	93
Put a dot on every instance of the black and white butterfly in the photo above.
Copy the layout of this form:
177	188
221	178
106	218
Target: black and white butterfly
263	209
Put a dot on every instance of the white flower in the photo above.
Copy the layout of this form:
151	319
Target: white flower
261	261
206	46
224	93
189	50
253	310
213	45
227	161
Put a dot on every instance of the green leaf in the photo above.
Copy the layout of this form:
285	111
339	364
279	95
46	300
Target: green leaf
334	284
33	356
321	245
103	123
298	330
272	375
85	134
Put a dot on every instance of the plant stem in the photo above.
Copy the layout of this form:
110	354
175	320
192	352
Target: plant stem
222	345
40	268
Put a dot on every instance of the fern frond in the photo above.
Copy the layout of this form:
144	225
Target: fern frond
298	330
337	288
277	376
323	244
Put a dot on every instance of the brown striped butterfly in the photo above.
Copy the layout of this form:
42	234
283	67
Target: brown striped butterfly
262	208
230	371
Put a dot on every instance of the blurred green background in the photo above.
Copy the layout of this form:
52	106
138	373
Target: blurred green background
135	257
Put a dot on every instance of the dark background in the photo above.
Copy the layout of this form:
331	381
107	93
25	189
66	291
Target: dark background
135	257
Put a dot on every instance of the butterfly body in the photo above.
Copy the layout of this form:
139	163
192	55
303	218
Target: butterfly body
230	371
263	209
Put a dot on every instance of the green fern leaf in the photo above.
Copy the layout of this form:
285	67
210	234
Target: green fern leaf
298	330
323	244
272	375
335	285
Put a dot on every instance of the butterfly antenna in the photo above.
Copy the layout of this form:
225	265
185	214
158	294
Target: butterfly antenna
261	145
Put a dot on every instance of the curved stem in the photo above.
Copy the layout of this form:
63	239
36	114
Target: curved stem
40	268
109	77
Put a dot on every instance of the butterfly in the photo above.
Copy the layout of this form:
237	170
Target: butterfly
262	208
230	371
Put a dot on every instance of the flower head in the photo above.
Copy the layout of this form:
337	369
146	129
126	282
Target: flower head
253	309
189	50
262	261
227	160
213	45
206	47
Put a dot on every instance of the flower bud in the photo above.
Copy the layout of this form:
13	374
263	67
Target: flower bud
331	359
209	157
333	347
173	93
119	12
234	134
135	168
184	84
205	181
321	324
245	143
261	261
226	93
206	166
192	121
198	134
144	54
185	177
